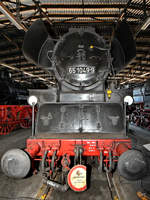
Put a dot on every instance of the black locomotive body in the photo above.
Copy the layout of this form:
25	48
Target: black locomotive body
81	117
11	92
81	61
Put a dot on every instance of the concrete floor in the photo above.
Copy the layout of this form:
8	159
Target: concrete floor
28	187
98	190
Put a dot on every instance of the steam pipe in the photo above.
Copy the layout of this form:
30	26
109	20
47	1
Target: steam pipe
57	186
43	162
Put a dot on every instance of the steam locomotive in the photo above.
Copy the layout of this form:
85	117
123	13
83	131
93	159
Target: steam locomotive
84	117
140	110
11	92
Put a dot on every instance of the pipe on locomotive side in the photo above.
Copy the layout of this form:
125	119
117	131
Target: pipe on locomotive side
57	186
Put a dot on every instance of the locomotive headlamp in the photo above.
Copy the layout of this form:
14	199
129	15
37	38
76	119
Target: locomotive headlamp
32	100
91	46
109	92
128	100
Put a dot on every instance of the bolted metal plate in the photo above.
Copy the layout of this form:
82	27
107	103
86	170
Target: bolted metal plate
80	118
15	163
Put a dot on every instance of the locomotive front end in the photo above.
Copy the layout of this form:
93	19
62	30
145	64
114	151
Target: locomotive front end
83	118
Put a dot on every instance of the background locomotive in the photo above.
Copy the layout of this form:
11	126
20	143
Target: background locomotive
140	110
14	111
84	115
11	92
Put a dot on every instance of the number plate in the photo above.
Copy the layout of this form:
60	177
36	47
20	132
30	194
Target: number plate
81	70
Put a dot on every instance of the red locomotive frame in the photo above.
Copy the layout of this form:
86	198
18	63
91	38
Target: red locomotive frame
105	149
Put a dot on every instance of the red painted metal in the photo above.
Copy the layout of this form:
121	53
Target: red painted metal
91	147
34	149
121	148
25	117
13	116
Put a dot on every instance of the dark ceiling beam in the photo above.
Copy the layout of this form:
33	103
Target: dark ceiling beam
35	69
135	72
143	44
58	15
30	74
12	58
21	61
132	70
33	72
42	13
135	6
102	23
10	54
7	46
11	17
124	11
14	2
128	78
145	52
10	41
48	77
134	15
123	77
81	23
144	34
143	66
142	58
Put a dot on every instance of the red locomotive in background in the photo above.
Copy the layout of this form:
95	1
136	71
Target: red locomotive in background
14	111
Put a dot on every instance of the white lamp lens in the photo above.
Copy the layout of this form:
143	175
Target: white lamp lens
128	100
32	100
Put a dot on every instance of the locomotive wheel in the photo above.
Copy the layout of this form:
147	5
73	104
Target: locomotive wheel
5	128
25	118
